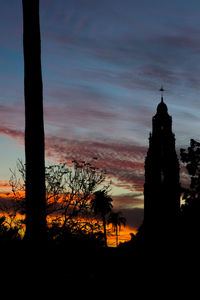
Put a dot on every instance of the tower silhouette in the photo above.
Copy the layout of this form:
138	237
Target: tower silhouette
161	188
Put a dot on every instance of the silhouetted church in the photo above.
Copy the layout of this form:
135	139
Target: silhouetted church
161	188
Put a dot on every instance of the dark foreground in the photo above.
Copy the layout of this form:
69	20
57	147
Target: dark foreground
139	270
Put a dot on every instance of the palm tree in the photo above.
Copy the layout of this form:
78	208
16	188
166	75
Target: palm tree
116	219
34	124
102	205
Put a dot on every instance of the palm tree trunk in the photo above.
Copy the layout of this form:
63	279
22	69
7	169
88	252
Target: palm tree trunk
104	231
117	236
34	124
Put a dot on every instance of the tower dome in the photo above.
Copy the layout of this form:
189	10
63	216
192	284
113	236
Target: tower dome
162	107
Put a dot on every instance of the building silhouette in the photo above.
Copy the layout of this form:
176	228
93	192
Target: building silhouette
162	187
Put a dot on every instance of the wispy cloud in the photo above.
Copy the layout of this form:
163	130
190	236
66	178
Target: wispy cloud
16	134
12	115
181	41
124	162
129	201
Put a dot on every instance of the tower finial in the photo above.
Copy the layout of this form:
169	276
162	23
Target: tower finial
162	92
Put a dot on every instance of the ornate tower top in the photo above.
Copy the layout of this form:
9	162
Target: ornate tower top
162	107
162	121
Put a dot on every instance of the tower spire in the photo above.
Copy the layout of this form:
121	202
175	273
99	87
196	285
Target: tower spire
162	92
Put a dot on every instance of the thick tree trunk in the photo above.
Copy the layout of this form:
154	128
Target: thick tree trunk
34	124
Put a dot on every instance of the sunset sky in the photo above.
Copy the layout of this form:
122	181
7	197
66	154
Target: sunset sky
103	65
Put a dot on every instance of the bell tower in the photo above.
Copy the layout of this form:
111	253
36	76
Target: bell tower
161	188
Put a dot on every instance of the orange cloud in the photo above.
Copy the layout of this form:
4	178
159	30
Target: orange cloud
4	186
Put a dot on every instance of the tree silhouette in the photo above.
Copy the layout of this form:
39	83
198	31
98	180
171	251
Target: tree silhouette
69	191
102	205
190	209
116	219
34	124
7	231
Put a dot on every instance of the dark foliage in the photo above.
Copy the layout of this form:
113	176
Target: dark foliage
190	210
101	204
8	233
